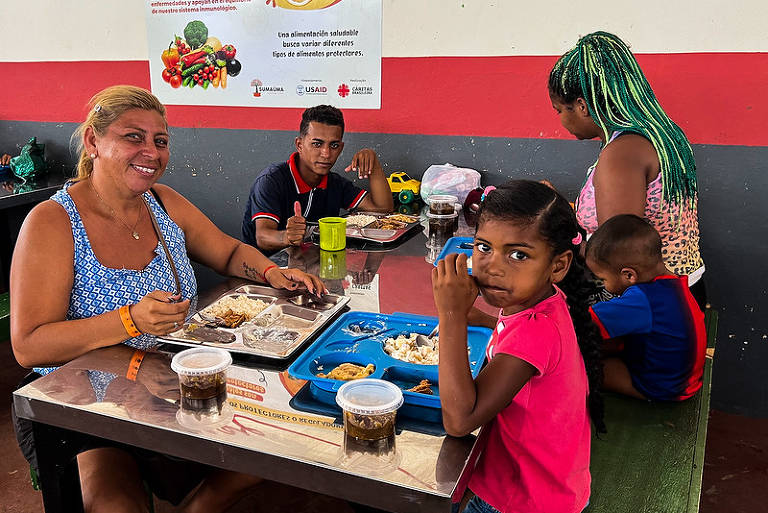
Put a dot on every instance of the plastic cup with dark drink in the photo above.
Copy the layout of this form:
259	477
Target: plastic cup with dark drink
441	227
443	205
370	406
203	381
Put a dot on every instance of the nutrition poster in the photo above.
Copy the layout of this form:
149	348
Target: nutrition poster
273	53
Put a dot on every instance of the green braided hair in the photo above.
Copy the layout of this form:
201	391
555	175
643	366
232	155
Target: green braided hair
603	71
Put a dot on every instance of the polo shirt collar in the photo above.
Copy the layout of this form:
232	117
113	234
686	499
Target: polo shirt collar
301	186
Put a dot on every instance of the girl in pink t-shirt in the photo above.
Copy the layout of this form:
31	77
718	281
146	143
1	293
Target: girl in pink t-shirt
533	397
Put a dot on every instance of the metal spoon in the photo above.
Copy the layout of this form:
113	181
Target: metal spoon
422	340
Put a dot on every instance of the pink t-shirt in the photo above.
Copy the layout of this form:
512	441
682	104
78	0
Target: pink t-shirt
537	454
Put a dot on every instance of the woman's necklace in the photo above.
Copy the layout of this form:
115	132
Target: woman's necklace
133	231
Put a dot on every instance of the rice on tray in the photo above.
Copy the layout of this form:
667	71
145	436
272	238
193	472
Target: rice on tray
237	304
360	220
405	348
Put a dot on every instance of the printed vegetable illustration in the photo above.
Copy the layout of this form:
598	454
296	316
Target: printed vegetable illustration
196	33
229	52
233	67
170	56
198	59
214	43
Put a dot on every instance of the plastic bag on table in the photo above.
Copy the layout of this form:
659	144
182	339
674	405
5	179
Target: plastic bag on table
449	179
30	164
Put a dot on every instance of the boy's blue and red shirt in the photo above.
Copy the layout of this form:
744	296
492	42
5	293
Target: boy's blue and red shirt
280	185
662	328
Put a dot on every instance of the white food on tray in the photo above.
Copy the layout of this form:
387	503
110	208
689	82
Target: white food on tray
405	348
360	220
238	305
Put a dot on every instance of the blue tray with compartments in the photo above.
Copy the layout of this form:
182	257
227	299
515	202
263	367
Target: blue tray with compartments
359	337
457	245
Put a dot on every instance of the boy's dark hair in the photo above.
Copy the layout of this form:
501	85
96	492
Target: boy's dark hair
527	202
325	114
625	240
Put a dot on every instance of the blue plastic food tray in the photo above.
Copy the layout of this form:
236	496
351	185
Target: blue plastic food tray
339	344
452	246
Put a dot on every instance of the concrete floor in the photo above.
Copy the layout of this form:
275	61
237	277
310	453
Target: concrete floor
735	469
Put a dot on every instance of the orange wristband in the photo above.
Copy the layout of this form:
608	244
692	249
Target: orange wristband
133	367
264	272
127	320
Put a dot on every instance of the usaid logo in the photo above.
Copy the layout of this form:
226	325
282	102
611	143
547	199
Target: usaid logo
302	89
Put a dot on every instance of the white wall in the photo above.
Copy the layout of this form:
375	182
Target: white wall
113	30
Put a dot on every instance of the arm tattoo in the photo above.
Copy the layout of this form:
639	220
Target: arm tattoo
252	273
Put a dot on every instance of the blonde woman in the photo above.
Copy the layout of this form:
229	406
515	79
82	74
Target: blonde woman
91	270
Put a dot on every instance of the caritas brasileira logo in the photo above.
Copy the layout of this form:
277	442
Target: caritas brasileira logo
343	90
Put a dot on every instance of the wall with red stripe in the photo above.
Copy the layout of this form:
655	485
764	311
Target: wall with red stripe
715	97
473	68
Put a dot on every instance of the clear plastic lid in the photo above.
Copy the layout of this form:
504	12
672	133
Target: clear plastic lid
442	216
443	198
201	361
369	396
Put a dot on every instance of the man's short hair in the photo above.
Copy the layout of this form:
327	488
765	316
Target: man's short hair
625	240
325	114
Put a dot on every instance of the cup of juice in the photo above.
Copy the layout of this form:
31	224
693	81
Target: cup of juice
370	407
203	382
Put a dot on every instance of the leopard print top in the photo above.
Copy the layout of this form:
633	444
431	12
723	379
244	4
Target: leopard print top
677	224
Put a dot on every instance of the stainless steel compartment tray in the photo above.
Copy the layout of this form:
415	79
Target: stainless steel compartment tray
375	234
277	332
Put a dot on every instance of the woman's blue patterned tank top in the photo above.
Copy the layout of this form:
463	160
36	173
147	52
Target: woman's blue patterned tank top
98	289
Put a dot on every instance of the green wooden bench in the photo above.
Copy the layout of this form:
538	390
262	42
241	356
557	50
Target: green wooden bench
5	317
652	458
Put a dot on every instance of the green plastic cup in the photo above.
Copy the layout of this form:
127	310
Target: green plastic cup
333	233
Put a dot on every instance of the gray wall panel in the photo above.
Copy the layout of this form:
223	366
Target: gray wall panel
215	167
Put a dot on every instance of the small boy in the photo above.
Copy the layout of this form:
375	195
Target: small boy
657	318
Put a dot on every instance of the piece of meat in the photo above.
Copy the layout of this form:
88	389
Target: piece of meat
424	387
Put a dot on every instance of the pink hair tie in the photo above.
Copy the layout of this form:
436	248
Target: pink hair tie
576	240
487	191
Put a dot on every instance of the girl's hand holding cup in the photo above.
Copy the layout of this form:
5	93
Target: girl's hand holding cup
455	291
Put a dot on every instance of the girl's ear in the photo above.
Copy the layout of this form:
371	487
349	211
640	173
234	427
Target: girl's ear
560	265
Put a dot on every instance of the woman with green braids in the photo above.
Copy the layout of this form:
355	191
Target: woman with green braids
646	165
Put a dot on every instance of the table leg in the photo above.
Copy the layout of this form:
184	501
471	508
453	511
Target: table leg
57	450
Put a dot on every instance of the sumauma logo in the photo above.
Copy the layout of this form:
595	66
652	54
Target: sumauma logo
259	89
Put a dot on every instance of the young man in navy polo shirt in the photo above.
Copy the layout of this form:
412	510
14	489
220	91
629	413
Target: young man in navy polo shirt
286	195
